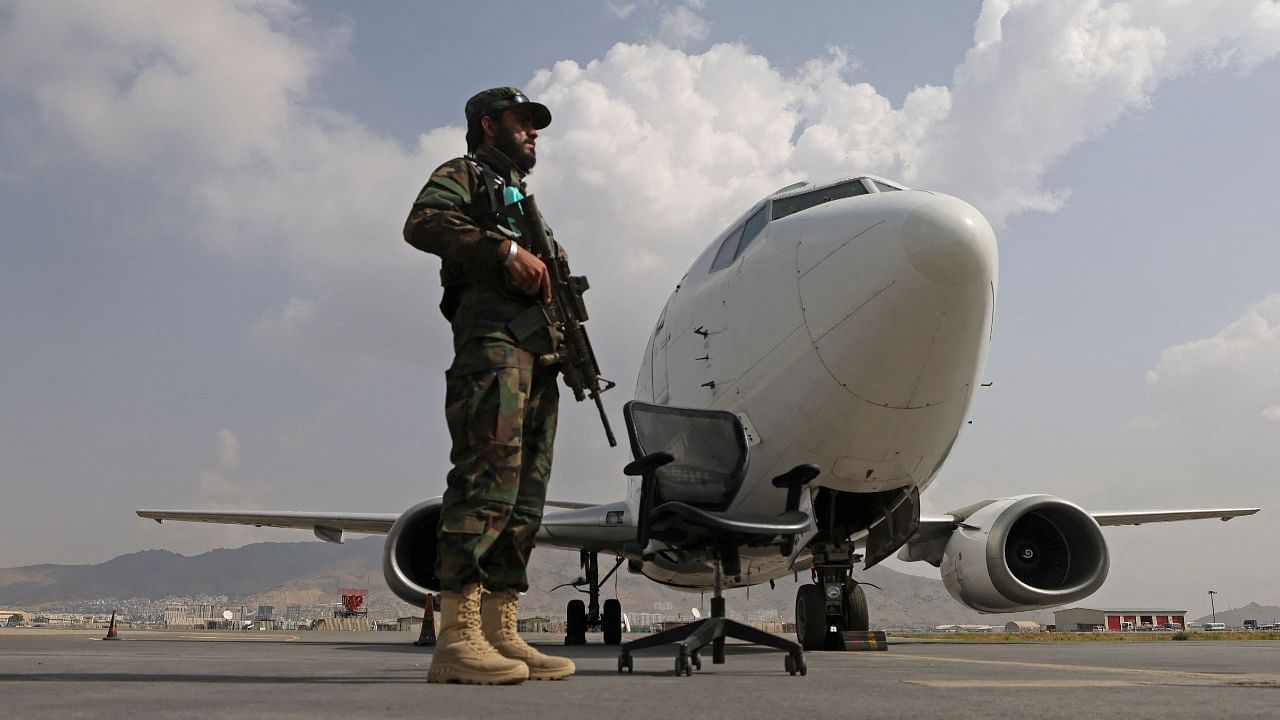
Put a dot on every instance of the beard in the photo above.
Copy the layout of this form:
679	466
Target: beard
523	156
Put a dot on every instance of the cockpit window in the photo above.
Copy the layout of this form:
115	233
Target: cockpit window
739	239
728	250
884	188
783	207
753	228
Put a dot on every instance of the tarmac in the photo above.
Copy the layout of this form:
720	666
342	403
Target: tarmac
171	674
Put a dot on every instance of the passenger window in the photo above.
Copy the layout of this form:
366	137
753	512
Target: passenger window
728	250
755	225
783	207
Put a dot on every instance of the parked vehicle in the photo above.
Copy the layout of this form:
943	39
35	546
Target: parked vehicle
1210	627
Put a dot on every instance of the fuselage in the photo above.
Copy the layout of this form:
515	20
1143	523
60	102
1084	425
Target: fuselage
846	324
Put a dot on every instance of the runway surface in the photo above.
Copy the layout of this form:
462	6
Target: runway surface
73	674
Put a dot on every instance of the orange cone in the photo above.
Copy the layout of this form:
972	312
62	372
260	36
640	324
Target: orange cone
111	630
428	634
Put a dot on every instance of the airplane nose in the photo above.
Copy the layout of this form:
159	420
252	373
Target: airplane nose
949	242
900	314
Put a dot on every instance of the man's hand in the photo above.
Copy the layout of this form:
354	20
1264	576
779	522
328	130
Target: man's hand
528	272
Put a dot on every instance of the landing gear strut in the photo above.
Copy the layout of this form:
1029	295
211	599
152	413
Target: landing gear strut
581	617
833	604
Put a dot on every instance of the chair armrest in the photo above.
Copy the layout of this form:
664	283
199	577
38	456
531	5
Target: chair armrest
646	468
794	481
648	463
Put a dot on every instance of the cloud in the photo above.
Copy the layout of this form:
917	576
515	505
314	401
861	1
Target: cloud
1228	379
681	26
619	10
218	486
209	115
227	455
144	84
1044	76
1143	425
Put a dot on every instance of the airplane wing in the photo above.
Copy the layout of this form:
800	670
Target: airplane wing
931	536
373	523
1141	517
326	526
569	504
933	526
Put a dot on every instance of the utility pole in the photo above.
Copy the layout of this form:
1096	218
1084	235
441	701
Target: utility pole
1212	611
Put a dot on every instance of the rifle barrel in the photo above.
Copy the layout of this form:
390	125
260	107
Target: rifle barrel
608	431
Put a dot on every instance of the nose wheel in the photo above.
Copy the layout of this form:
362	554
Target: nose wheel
581	617
827	608
854	600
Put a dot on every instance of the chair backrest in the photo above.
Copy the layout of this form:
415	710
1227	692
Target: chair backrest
709	446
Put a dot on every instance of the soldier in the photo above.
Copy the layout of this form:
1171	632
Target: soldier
500	404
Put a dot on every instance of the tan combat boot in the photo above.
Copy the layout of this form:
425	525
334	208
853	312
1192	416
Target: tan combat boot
462	654
499	622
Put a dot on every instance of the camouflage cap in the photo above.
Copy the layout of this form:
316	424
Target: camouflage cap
495	100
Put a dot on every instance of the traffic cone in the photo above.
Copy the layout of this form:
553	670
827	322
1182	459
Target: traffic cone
111	630
428	634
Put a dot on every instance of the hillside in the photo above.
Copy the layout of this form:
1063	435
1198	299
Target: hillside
237	573
1235	617
310	572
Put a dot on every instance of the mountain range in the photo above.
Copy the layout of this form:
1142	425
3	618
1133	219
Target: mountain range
1235	617
310	573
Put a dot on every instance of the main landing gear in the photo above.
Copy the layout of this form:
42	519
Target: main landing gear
581	617
833	604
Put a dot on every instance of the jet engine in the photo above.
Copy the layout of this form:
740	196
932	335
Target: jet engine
409	553
1024	553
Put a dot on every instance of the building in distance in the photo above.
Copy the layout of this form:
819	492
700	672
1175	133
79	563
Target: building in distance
1119	619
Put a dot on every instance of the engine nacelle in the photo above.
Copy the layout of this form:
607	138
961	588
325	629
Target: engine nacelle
409	553
1025	553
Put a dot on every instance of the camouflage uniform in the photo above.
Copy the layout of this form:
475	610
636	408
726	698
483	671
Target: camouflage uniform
500	405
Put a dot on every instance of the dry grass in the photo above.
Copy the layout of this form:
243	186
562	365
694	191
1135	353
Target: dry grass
1050	637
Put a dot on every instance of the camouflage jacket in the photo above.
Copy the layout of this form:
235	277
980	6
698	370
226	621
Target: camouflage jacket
453	218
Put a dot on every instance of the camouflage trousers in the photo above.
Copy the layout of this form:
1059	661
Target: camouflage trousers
502	421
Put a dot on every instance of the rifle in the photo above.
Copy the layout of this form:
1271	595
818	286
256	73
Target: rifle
566	312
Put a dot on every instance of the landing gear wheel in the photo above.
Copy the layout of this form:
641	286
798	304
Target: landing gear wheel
811	617
684	666
855	607
575	624
624	663
697	661
612	622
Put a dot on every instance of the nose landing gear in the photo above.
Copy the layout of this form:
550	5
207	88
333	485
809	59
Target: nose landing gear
833	604
581	617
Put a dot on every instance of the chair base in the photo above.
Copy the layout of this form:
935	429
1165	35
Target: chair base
695	636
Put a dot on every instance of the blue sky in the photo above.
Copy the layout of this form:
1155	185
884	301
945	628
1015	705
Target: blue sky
208	303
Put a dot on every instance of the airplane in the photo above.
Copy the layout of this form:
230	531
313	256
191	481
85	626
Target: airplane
847	325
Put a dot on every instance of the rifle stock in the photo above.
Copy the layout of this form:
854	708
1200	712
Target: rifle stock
567	312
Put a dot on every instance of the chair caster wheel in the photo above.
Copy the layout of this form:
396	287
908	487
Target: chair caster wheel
795	664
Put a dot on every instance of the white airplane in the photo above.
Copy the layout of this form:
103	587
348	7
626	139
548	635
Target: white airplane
846	325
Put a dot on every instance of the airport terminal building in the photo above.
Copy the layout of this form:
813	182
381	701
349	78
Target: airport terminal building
1119	619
